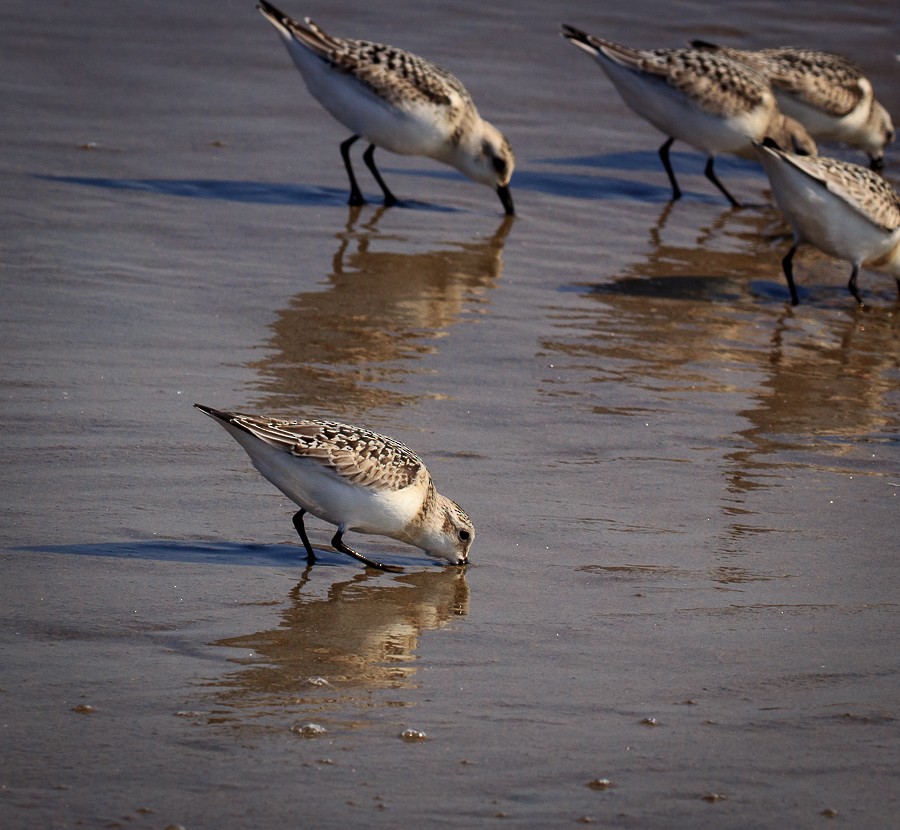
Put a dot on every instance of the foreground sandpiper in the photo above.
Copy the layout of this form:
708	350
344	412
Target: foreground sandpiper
398	101
709	101
828	94
846	210
355	479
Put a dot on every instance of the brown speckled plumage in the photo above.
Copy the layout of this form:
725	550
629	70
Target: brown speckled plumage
710	101
398	76
824	80
828	93
867	192
720	85
353	478
397	101
725	87
355	454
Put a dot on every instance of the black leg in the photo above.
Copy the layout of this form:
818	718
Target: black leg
711	175
338	543
356	197
301	529
369	158
788	265
851	286
506	199
664	155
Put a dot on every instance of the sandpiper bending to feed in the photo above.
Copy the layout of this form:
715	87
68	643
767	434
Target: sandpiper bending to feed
355	479
827	93
844	209
713	103
398	101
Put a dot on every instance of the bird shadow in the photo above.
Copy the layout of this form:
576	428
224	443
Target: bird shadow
571	185
198	552
691	287
243	192
581	186
648	160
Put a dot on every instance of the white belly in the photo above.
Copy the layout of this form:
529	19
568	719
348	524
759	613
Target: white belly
674	114
820	124
825	220
412	130
325	495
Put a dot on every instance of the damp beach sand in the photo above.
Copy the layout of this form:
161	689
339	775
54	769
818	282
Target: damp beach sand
681	608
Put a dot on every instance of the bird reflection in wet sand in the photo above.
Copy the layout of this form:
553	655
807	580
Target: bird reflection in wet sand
715	262
803	393
828	387
349	347
332	651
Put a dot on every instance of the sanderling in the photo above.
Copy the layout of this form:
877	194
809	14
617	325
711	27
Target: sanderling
829	94
711	102
355	479
398	101
845	209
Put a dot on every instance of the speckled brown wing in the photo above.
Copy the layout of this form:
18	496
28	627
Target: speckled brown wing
828	82
358	455
868	193
724	86
720	85
397	76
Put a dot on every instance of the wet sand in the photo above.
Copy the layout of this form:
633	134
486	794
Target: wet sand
685	491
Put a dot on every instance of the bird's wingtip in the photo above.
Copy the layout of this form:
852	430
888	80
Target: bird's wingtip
567	31
213	413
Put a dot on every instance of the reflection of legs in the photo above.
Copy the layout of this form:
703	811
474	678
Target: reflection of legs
301	529
369	158
297	590
664	155
711	175
338	543
788	265
356	197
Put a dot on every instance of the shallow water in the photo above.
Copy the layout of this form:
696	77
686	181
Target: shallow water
685	491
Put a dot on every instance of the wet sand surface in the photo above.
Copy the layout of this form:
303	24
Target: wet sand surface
685	491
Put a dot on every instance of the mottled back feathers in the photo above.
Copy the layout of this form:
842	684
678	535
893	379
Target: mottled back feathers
358	455
720	85
824	80
868	193
396	75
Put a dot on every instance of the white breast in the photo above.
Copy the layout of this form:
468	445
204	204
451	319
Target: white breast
326	495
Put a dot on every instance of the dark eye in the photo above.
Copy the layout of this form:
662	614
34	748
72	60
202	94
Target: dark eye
499	165
464	536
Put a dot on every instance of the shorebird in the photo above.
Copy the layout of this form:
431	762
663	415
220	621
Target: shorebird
715	104
355	479
827	93
398	101
846	210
